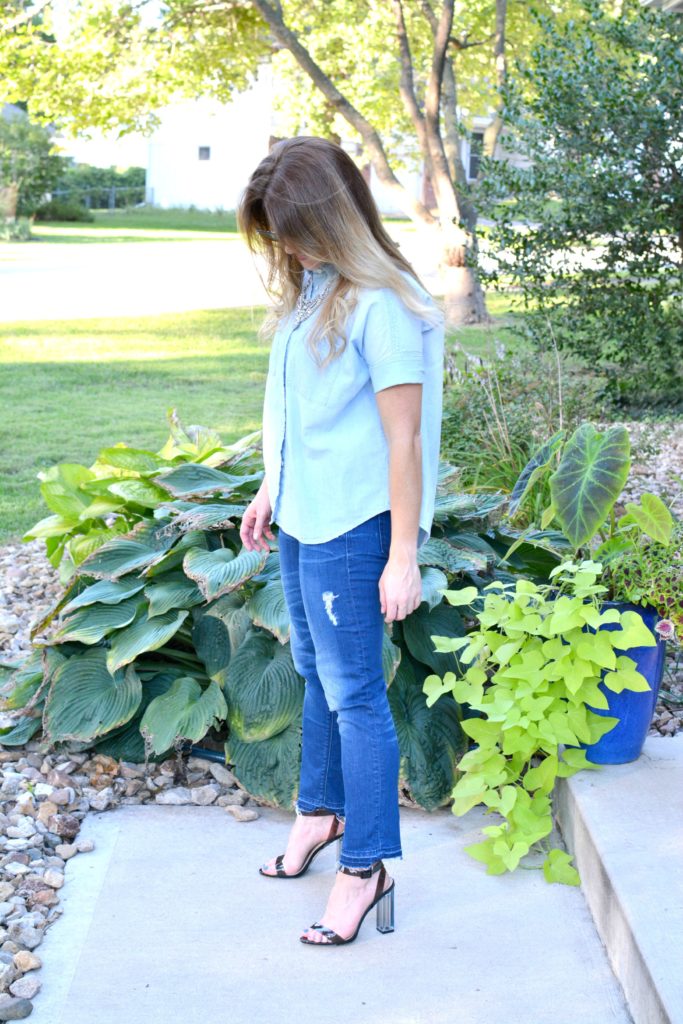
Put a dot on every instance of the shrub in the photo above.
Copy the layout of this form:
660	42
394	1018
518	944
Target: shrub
497	413
18	230
63	210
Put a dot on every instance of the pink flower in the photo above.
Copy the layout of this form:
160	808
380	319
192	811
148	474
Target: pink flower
666	629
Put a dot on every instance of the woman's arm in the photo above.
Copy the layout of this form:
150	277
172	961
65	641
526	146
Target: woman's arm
400	585
255	526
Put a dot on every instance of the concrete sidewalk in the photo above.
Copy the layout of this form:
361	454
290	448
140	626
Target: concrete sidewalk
169	922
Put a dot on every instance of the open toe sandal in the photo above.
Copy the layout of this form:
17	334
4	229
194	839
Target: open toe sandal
383	900
334	836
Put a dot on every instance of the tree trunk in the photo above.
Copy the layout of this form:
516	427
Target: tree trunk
9	198
464	297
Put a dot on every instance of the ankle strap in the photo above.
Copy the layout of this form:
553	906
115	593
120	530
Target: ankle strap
362	872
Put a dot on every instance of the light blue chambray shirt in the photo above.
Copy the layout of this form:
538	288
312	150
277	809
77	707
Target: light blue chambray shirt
325	453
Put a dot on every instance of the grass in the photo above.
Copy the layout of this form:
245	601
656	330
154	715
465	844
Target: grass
74	387
141	225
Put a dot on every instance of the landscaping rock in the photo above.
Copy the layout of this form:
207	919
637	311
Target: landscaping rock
179	795
24	960
242	813
12	1008
25	988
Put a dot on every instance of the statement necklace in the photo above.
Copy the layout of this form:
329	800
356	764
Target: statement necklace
304	306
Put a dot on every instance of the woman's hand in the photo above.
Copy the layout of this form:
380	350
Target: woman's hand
400	587
255	525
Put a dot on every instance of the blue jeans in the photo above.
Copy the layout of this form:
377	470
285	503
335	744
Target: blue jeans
350	756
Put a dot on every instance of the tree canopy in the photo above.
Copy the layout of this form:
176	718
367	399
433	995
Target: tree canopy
403	78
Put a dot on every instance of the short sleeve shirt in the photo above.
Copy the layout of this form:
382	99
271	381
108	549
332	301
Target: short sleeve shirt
325	453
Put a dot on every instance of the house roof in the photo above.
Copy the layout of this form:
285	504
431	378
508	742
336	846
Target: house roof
9	112
671	6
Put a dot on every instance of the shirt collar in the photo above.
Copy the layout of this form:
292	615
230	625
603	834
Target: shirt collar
315	279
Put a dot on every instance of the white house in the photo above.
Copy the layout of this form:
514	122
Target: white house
204	151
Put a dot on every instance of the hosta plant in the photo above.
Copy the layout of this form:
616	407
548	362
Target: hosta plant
168	631
531	670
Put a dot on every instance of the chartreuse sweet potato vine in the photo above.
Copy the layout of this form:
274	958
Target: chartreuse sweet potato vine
535	662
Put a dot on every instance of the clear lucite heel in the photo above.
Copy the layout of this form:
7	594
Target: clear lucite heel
385	912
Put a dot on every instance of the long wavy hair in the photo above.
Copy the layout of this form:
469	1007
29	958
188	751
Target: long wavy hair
309	194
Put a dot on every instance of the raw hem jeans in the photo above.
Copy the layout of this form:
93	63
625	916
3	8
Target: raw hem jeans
350	756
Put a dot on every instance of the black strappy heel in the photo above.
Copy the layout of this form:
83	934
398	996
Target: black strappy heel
334	836
383	900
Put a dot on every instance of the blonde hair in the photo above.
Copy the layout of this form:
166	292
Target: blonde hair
311	195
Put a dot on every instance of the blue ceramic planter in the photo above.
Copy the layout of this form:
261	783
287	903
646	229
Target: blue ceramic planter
634	710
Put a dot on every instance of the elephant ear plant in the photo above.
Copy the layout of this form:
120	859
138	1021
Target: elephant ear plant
587	473
531	668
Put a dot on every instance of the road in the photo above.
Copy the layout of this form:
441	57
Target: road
67	281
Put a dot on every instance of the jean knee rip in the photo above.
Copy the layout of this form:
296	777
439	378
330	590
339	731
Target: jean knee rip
328	600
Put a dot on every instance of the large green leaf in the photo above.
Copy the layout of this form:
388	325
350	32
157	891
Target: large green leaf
190	479
86	700
135	460
265	692
208	517
141	492
89	625
653	517
117	557
465	506
173	559
144	634
534	469
60	489
423	624
104	592
391	658
443	555
101	507
268	608
220	571
430	739
433	583
218	630
23	683
268	770
184	711
589	479
174	590
50	526
21	732
126	743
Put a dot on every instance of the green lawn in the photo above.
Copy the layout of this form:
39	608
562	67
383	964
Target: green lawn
142	225
73	388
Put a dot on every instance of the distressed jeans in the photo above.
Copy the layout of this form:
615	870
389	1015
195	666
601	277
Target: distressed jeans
350	756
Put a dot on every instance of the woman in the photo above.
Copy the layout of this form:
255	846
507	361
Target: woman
351	430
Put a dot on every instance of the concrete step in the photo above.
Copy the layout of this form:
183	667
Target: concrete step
624	825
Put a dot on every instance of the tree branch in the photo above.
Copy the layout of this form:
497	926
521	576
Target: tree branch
407	84
443	184
370	137
493	130
28	15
